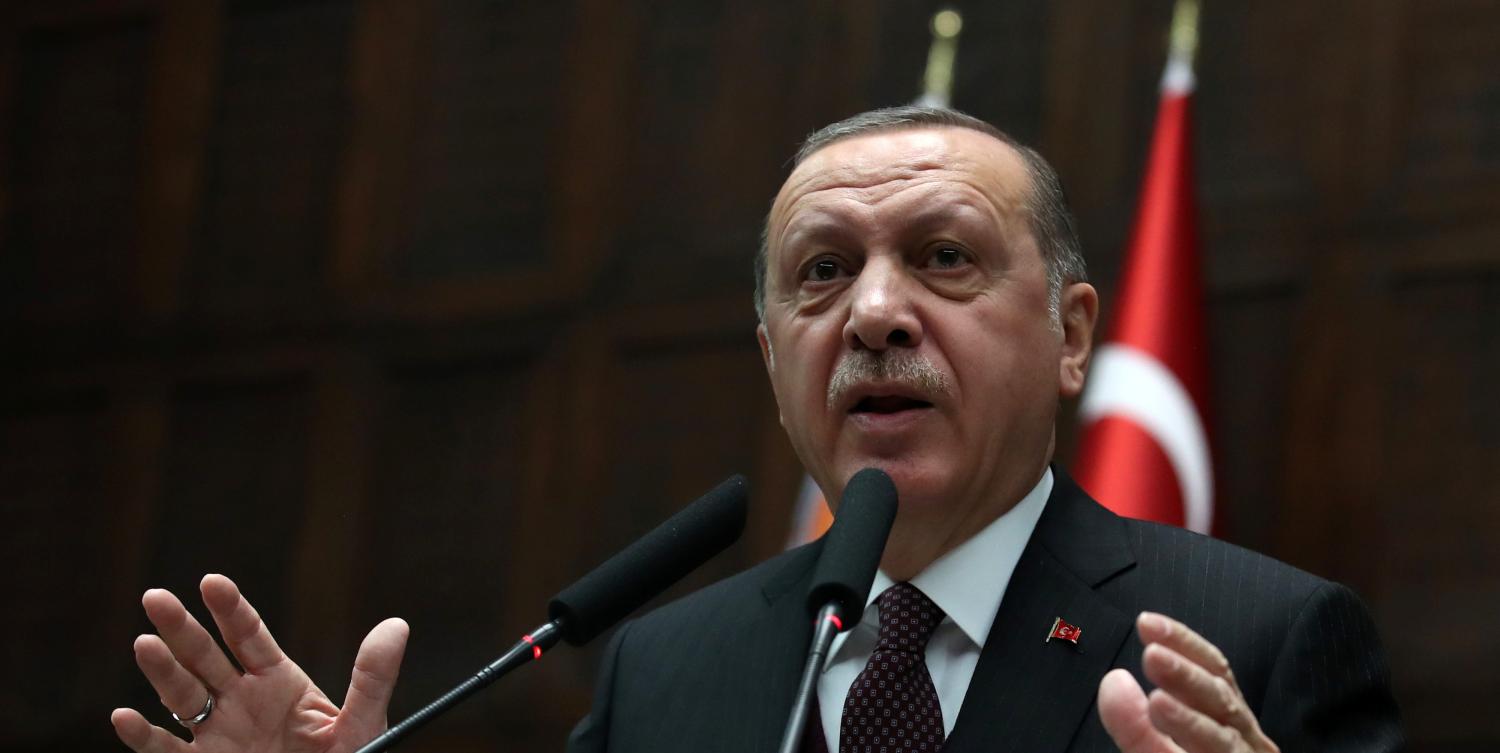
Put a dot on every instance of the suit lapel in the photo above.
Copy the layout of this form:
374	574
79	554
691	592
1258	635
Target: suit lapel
780	638
1029	694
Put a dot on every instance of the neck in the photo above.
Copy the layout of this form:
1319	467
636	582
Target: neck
917	542
914	545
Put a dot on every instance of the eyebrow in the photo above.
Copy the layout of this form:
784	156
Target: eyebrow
959	212
819	229
825	225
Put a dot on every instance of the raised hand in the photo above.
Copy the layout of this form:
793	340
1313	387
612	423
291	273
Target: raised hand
272	705
1196	707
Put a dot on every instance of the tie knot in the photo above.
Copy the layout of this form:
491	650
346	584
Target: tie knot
907	619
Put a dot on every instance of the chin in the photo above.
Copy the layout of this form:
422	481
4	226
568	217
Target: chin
920	486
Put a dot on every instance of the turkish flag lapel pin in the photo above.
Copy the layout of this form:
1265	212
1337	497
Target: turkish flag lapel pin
1064	631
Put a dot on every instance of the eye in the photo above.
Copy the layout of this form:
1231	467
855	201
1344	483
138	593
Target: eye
947	257
823	270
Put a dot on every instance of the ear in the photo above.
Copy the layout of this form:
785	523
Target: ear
766	355
769	357
1078	311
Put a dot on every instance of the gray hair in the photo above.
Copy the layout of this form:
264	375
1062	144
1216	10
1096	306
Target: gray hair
1051	220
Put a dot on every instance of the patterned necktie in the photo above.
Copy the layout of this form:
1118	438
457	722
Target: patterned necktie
892	705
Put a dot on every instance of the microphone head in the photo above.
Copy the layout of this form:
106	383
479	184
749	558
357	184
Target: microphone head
652	563
855	541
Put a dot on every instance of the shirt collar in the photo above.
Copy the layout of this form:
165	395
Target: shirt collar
968	582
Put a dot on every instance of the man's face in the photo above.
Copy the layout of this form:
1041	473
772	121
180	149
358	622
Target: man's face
902	271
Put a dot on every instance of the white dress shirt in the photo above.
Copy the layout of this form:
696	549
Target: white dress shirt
967	584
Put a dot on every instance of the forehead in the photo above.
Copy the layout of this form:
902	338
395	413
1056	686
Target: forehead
873	167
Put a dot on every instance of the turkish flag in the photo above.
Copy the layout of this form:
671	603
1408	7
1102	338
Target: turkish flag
1064	631
1144	450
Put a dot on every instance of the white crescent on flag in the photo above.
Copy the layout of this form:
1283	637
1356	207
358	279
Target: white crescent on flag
1132	384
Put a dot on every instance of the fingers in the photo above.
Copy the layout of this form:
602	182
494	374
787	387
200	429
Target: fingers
181	692
190	643
141	736
1192	685
1192	729
1197	701
244	632
376	668
1159	628
1124	710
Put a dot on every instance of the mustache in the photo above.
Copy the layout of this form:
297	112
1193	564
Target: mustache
899	367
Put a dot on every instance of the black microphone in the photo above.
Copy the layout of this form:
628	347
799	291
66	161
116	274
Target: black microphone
608	593
851	553
651	564
841	582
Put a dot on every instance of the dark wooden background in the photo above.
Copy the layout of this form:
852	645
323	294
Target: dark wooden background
387	307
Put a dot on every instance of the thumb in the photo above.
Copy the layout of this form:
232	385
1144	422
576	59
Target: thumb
375	670
1126	717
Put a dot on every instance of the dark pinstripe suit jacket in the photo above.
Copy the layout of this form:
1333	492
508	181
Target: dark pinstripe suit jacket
716	671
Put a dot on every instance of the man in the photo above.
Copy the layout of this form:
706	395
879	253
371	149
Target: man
923	308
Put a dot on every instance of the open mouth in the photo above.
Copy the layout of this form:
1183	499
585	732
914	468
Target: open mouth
888	404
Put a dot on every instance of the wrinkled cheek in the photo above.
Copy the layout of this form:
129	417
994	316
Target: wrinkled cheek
800	408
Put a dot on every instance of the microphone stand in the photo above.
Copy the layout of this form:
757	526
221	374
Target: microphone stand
828	625
526	650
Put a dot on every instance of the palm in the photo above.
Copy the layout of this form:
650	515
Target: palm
272	705
281	700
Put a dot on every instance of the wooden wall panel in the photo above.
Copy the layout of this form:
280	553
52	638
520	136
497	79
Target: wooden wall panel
442	541
835	65
997	39
75	135
1251	380
1453	106
1246	160
54	469
1437	563
479	168
678	70
273	155
235	479
345	392
184	74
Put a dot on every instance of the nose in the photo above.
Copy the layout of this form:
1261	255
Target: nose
881	312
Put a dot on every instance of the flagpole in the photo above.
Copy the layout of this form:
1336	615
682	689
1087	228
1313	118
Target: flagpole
1182	48
1184	39
937	80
